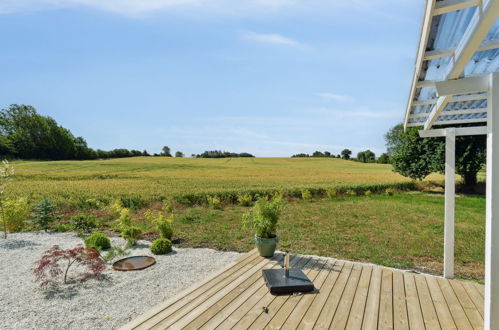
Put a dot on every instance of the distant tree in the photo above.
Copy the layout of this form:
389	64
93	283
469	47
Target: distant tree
327	154
317	154
384	159
346	154
338	156
300	156
166	152
179	154
366	156
223	154
145	153
193	155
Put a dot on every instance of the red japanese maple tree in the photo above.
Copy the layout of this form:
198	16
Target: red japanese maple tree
56	262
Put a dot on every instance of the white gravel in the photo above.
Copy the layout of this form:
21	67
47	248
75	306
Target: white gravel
95	304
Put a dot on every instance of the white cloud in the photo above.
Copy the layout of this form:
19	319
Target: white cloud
270	38
335	97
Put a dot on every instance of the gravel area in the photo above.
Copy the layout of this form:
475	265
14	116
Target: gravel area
96	304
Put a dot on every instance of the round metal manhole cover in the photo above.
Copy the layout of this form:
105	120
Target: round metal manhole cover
134	263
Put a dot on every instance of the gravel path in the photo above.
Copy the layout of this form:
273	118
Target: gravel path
95	304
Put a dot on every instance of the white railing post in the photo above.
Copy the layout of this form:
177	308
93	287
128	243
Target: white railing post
491	305
450	200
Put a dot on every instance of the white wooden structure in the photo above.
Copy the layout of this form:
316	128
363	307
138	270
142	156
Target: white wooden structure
456	82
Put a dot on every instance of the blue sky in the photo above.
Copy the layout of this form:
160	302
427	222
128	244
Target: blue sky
270	77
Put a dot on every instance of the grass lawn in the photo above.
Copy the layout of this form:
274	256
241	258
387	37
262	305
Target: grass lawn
403	231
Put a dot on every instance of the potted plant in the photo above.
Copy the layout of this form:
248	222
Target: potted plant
263	220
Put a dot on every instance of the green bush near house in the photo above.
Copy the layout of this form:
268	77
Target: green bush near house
98	241
161	246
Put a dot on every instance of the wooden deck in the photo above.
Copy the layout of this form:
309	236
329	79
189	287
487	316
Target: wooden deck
349	296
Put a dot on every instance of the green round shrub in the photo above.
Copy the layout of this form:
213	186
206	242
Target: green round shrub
161	246
98	241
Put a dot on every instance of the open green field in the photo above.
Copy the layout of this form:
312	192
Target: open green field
148	179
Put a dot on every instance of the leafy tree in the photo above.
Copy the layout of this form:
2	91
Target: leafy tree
300	155
384	159
366	156
416	158
327	154
317	154
166	152
179	154
145	153
346	154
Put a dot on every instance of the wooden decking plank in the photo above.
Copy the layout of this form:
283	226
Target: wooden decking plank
292	301
443	313
370	319
345	305
455	307
217	308
400	320
385	320
220	314
295	318
414	313
311	316
469	307
327	314
237	310
190	293
429	314
181	318
480	288
474	295
264	318
356	315
266	300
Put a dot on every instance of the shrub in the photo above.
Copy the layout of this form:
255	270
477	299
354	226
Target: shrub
331	193
161	246
163	224
264	216
62	228
245	199
214	202
48	268
98	241
6	173
83	223
124	220
132	234
351	192
389	192
368	193
168	205
306	194
115	208
16	211
44	213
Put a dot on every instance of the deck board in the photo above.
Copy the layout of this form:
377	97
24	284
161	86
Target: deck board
348	295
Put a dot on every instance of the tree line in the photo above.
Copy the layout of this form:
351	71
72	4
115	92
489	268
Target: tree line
25	134
366	156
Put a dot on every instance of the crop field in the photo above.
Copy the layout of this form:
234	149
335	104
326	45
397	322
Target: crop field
149	179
